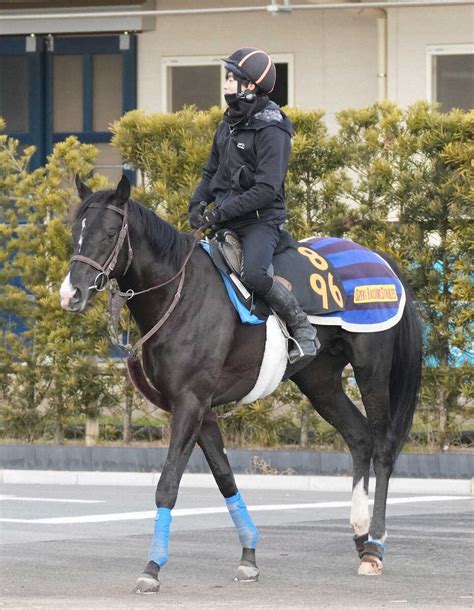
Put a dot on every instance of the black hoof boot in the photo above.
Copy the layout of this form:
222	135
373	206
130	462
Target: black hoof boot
247	570
148	582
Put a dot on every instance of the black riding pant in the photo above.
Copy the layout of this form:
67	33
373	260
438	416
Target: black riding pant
258	241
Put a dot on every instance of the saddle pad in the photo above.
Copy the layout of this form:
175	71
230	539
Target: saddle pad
273	365
246	316
375	295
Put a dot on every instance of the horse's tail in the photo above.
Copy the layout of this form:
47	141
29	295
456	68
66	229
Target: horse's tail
405	374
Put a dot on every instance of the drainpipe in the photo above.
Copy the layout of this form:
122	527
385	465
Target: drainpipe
382	55
382	45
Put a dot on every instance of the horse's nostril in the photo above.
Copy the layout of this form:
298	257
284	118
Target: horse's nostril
77	296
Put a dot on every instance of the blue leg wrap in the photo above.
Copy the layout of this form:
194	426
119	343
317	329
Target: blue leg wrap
248	533
373	547
379	545
159	545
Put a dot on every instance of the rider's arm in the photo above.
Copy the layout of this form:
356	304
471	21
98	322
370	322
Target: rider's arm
272	146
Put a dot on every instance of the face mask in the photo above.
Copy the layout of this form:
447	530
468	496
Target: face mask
231	99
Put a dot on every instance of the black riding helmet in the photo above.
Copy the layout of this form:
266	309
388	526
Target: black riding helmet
254	66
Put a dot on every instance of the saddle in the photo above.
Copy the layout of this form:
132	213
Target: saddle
312	279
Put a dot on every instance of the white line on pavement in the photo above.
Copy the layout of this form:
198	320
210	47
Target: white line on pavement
212	510
67	500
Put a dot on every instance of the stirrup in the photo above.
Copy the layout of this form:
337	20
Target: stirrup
286	333
301	355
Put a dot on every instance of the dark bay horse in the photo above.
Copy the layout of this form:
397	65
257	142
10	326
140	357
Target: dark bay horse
203	356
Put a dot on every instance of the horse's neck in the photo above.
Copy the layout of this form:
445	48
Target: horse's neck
148	269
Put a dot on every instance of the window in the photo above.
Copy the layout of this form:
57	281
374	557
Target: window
451	76
66	85
14	102
199	81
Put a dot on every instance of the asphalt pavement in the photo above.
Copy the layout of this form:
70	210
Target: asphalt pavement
69	546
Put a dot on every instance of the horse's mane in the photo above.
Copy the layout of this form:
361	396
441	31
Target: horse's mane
164	239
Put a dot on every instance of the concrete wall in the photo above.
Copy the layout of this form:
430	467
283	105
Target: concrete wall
410	31
334	53
246	461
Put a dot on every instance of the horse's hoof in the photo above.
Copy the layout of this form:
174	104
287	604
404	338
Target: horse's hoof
246	574
370	566
147	584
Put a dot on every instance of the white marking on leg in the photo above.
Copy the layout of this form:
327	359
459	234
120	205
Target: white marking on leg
81	236
66	292
360	517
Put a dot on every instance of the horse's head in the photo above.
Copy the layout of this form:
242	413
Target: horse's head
100	238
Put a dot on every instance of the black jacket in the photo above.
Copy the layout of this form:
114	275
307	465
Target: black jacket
246	170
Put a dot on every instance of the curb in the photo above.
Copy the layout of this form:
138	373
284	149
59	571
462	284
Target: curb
463	487
72	458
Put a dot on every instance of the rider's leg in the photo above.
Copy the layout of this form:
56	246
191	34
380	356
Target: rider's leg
258	245
285	304
258	242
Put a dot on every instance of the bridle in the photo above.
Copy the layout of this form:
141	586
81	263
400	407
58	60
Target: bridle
102	278
105	270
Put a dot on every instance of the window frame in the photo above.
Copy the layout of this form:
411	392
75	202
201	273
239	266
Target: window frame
215	60
433	51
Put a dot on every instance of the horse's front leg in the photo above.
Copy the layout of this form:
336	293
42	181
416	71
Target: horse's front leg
210	441
185	428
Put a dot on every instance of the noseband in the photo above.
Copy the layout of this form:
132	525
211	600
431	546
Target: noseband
106	269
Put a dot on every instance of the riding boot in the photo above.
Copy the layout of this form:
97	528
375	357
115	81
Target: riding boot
306	343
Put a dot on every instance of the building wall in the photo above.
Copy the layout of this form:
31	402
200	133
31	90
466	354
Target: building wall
409	33
335	64
334	52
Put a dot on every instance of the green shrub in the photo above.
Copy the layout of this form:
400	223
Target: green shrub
399	181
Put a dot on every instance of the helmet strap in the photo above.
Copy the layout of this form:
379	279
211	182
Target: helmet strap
248	95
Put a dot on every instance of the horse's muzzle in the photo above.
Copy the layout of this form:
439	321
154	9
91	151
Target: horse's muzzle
72	297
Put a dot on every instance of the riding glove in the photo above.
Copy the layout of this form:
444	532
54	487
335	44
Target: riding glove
196	215
210	218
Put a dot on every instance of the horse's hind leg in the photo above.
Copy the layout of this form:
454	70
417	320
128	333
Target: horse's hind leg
210	441
373	378
321	382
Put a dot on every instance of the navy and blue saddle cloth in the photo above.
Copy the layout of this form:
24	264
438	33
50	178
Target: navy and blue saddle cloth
336	281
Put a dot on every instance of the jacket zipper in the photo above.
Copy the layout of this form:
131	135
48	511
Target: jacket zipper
231	131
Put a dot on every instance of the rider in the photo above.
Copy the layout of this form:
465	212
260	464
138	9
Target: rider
244	177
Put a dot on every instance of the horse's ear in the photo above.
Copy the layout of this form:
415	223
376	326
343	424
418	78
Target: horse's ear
82	190
122	192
